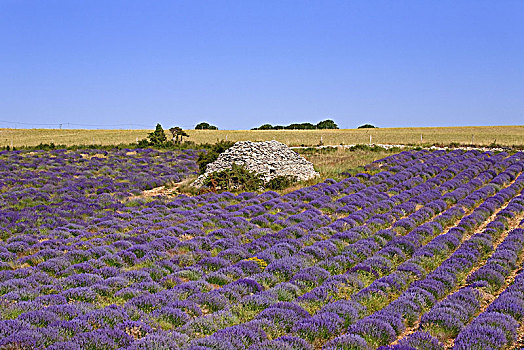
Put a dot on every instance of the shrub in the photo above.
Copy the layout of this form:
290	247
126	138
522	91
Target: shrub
237	178
211	155
280	182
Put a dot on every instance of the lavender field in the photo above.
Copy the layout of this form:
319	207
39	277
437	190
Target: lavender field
422	252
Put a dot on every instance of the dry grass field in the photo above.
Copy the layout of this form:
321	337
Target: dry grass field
332	164
482	135
478	135
33	137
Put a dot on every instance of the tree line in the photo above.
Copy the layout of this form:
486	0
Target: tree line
158	137
325	124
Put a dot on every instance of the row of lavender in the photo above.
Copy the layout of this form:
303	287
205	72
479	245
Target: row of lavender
497	327
44	190
383	327
261	271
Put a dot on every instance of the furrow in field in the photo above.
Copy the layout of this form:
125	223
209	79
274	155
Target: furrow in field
440	327
434	282
413	328
498	325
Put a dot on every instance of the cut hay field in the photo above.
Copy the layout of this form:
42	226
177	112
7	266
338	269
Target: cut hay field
478	135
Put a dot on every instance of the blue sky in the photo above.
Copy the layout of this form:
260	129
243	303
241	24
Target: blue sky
239	64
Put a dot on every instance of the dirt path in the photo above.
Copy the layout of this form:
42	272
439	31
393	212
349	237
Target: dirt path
170	191
415	327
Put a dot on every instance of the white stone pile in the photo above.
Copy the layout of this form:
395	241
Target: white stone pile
269	159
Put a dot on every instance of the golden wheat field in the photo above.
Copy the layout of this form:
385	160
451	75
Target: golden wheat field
478	135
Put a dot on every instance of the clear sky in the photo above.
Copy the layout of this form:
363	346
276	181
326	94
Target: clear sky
239	64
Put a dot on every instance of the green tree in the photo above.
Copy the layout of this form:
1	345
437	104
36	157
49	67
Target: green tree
157	137
367	126
264	127
327	124
177	132
300	126
205	126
